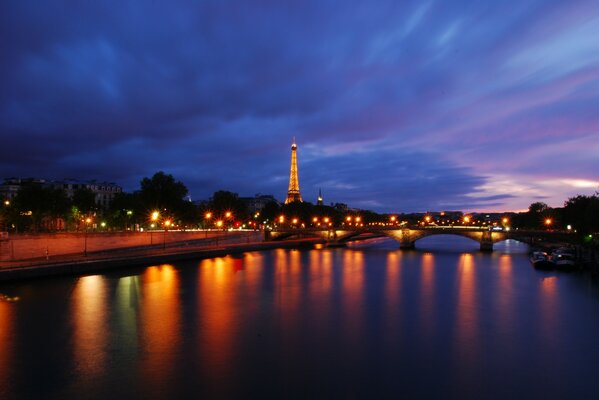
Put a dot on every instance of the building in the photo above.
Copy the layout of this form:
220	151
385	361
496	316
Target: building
319	200
258	202
293	193
104	191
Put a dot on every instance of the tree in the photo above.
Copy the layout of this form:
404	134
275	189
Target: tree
85	200
39	206
223	202
582	213
162	192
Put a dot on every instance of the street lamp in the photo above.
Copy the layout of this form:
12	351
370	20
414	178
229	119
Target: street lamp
167	223
88	220
548	222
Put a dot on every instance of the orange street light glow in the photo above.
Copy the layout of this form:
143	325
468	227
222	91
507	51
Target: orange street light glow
155	215
219	223
228	214
208	215
548	221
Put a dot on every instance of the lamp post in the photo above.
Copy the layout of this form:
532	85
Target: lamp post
167	223
207	217
154	218
88	220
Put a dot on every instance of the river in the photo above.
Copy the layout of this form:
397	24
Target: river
367	321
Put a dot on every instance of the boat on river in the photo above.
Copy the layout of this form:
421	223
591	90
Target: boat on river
563	259
541	260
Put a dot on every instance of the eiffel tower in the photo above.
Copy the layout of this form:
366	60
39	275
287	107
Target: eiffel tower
293	193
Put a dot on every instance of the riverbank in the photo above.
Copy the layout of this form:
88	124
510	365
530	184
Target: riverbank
92	263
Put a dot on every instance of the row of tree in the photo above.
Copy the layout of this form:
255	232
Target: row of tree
579	213
161	200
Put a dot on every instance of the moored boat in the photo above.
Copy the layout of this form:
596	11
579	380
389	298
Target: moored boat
563	259
540	260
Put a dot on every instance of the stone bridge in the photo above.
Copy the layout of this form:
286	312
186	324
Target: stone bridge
407	237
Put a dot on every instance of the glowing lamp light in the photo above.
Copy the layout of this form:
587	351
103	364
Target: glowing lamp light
219	223
155	215
548	221
326	220
167	223
427	218
314	219
358	219
88	220
466	219
281	219
393	218
348	219
294	221
208	215
228	214
504	220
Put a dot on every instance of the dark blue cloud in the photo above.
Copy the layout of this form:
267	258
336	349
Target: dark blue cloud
396	106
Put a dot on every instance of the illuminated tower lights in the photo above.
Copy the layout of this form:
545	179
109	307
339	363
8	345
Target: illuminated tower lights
293	193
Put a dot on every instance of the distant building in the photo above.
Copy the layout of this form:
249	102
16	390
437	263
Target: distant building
104	191
258	202
11	186
340	207
319	200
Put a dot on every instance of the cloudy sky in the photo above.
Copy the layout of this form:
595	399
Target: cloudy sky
395	105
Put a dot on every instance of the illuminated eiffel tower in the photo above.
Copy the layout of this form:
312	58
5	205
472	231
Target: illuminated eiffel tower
293	193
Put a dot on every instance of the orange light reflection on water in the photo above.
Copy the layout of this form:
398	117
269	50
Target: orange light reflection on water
160	313
393	297
505	296
88	304
427	294
6	329
467	312
549	304
353	295
218	312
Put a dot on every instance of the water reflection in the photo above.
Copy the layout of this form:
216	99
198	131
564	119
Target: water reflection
427	294
6	346
352	276
505	295
549	310
467	318
89	310
305	324
218	312
160	329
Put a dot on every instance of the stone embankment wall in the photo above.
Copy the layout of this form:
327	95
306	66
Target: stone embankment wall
25	247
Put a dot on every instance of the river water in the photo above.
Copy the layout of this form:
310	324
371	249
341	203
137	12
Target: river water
367	321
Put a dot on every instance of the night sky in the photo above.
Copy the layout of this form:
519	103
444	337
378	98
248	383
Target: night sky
395	106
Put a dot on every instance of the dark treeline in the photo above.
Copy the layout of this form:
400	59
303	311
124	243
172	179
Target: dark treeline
160	203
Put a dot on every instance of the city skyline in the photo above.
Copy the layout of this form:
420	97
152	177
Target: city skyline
396	108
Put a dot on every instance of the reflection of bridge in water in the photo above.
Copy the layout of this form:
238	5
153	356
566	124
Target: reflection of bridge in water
407	237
